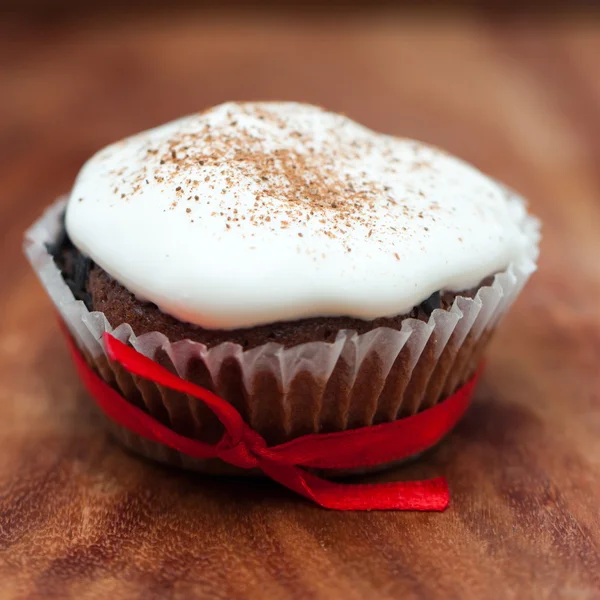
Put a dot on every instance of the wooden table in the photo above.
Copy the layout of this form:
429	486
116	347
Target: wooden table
81	518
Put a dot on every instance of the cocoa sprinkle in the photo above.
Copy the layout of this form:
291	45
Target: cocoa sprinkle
292	176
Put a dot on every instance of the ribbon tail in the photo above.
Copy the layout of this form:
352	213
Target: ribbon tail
427	495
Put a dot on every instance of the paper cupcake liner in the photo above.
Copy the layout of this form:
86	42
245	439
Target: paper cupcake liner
283	393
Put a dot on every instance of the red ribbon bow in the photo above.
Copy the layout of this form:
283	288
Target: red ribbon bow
243	447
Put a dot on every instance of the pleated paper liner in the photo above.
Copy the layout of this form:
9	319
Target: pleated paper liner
283	393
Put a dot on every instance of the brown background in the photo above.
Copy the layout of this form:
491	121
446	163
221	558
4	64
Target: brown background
518	96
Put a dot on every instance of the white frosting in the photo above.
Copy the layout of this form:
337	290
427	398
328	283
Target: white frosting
255	213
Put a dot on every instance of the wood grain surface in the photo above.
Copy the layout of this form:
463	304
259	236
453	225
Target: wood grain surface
81	518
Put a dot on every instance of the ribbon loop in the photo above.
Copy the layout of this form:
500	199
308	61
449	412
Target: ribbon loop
243	447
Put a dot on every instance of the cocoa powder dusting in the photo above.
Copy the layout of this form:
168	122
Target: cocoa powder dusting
292	174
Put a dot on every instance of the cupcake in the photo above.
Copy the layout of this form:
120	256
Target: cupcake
315	274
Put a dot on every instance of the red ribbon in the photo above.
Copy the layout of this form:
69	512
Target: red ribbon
243	447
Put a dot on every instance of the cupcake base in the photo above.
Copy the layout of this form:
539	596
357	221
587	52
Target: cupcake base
352	381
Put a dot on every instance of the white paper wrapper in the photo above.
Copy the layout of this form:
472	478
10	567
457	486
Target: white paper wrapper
357	380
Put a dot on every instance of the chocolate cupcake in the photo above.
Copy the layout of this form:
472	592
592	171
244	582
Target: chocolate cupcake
313	273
